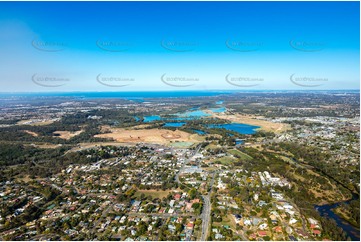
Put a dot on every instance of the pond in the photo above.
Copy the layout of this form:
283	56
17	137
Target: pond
239	141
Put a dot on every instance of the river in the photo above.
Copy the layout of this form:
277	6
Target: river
326	211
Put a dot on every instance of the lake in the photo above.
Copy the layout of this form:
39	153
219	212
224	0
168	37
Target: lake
176	124
189	115
152	118
236	127
195	114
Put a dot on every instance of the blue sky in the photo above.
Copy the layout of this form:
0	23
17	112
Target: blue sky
124	46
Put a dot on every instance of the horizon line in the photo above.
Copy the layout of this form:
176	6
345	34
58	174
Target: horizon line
150	91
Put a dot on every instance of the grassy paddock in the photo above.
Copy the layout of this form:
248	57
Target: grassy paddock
153	193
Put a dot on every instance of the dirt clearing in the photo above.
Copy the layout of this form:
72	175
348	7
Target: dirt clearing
159	136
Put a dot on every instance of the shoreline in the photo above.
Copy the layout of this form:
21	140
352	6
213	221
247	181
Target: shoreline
263	125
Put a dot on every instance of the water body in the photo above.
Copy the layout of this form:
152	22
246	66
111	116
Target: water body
219	102
239	141
131	95
152	118
177	124
136	118
189	115
159	94
200	132
193	114
236	127
326	211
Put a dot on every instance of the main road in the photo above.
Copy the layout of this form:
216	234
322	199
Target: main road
205	216
206	213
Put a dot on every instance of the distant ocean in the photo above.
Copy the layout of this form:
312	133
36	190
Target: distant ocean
160	94
142	94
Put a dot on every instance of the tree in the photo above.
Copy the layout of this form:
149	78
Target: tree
192	193
196	206
142	228
178	228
